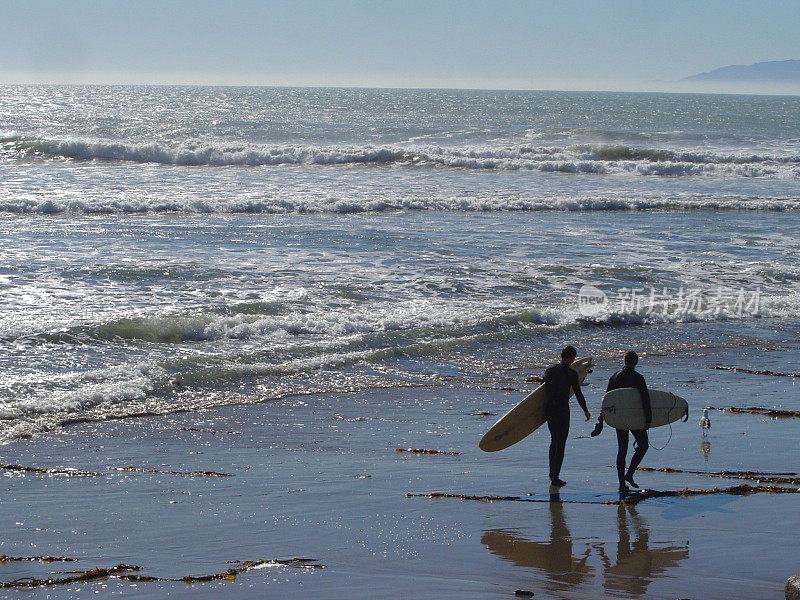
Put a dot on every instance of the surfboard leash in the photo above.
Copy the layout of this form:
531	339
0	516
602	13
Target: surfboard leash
669	439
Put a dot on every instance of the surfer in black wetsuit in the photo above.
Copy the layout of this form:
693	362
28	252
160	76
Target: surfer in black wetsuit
558	380
628	377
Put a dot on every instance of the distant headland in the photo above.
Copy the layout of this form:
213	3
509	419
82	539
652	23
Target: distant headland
779	72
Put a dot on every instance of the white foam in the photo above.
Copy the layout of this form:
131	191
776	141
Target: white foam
143	204
80	392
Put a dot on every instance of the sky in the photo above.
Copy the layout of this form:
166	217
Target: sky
500	44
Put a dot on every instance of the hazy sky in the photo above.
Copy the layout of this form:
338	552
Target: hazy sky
407	43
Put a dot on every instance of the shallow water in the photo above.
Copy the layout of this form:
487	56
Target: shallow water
108	316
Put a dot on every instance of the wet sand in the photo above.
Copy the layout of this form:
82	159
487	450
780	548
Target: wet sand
319	478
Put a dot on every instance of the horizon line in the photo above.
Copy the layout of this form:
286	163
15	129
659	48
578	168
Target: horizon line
599	89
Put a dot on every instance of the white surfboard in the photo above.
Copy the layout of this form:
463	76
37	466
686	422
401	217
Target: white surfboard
622	408
526	417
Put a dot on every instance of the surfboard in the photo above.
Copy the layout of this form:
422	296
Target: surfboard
526	417
622	408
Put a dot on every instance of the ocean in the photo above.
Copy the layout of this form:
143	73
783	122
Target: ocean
164	247
283	285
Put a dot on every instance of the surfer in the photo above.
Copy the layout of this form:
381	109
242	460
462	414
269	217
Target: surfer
628	377
558	380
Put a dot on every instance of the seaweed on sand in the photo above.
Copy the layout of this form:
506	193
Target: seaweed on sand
758	410
422	451
4	558
737	490
501	388
78	473
500	498
78	576
631	498
230	574
203	430
161	472
129	573
44	471
466	497
752	372
758	476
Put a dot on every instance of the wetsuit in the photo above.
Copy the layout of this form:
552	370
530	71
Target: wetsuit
558	380
629	378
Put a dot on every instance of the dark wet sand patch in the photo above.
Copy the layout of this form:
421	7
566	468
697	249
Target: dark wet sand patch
424	451
130	573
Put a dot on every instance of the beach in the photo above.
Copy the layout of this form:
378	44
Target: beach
251	337
319	477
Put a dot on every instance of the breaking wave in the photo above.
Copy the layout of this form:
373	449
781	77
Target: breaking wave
587	159
378	325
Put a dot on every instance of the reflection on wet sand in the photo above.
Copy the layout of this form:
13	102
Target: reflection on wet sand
705	448
636	564
627	571
554	556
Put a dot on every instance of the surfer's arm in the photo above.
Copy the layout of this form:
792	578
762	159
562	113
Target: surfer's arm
547	380
576	385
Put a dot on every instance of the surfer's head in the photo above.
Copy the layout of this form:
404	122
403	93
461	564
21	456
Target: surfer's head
631	358
568	354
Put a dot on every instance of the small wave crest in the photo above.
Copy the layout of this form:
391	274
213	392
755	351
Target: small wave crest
147	204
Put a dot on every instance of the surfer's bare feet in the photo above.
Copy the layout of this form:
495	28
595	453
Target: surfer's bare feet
558	482
597	429
629	479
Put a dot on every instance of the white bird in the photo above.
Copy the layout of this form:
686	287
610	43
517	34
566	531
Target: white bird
705	422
